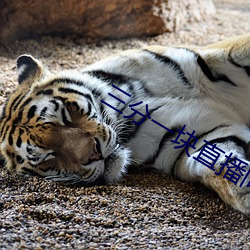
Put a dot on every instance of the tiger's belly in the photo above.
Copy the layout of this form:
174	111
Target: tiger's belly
164	134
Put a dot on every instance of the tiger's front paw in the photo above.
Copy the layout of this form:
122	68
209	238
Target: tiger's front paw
115	164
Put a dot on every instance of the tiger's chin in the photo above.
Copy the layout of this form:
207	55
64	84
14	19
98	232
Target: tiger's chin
108	171
115	164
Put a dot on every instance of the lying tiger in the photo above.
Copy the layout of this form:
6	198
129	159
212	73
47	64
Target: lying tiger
184	111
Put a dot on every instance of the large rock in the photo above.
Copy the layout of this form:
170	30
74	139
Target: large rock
97	18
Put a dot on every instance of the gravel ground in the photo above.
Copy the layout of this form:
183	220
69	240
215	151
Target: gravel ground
144	211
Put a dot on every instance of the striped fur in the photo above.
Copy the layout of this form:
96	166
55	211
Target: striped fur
58	126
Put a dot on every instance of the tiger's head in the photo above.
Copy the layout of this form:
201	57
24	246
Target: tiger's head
53	126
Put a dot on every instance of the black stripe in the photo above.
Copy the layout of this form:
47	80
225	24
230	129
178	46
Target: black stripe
232	138
21	131
191	143
112	78
10	139
168	135
45	92
89	98
3	127
73	91
64	117
173	64
70	91
11	107
29	149
94	116
56	105
26	103
239	142
96	92
109	137
14	125
12	131
209	74
205	69
120	79
19	118
213	77
231	60
207	132
130	129
35	158
235	139
43	111
42	114
15	122
17	101
3	135
60	98
161	145
67	81
211	131
31	112
19	142
89	109
19	159
132	90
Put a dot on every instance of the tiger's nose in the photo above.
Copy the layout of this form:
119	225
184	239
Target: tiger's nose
96	153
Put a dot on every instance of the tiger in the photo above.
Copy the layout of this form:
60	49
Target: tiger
164	107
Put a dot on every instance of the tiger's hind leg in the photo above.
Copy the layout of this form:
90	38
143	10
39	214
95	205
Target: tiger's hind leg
228	174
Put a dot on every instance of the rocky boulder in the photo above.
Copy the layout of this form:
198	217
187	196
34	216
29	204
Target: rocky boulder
98	19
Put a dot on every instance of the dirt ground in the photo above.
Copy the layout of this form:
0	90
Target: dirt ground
145	210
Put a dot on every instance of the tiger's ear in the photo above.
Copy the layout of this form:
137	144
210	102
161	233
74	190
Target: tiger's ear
30	70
